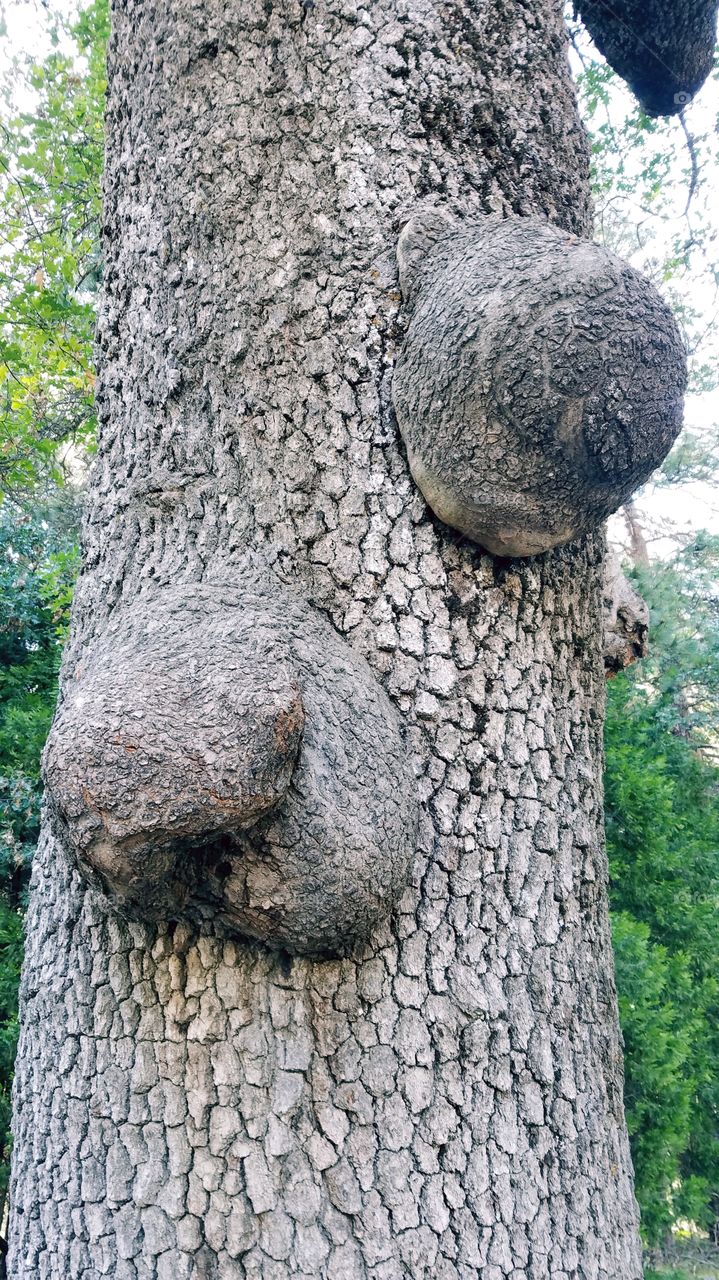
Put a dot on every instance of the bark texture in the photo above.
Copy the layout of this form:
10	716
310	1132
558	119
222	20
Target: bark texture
540	383
663	49
446	1101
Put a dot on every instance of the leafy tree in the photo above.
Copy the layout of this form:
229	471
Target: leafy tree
658	1051
50	165
662	812
38	562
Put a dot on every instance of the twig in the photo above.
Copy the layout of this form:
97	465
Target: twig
691	148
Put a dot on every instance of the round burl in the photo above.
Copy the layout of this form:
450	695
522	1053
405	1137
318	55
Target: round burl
540	382
223	752
663	50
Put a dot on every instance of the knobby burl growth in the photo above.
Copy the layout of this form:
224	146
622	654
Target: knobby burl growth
541	380
663	50
223	752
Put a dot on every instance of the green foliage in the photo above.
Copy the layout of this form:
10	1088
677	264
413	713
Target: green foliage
11	947
666	1274
660	1085
50	165
38	562
695	456
662	816
683	664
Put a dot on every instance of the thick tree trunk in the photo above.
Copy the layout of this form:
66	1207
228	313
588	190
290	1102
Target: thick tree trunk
448	1101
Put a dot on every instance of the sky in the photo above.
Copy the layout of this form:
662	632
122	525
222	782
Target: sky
688	507
26	30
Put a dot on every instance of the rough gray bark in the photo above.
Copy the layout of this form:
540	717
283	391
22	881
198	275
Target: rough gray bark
446	1101
664	49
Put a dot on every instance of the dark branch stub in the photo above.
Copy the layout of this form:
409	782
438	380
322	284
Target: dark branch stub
540	383
234	719
662	49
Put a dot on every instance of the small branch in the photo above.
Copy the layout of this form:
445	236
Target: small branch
692	149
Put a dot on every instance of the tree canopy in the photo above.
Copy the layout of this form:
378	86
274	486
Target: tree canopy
50	168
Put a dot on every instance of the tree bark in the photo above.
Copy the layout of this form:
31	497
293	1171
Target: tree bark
446	1101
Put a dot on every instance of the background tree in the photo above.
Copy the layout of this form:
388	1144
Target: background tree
662	809
50	165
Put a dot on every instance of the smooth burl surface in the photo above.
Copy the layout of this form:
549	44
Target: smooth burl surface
664	49
444	1103
224	753
540	382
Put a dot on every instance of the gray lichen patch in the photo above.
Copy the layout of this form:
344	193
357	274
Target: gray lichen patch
662	49
199	716
540	383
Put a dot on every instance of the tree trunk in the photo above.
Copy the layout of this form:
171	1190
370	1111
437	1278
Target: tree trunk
447	1100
